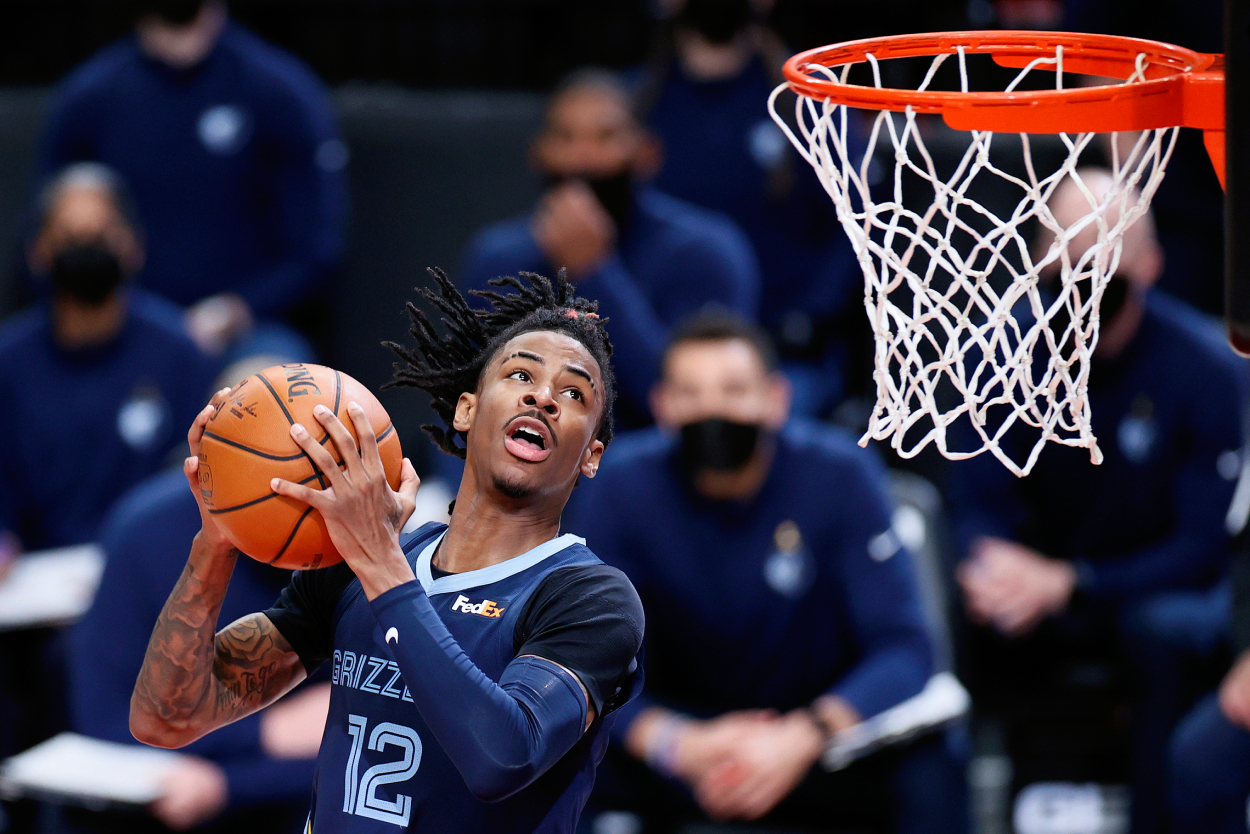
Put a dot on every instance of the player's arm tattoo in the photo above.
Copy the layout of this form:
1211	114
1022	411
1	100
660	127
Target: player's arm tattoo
193	680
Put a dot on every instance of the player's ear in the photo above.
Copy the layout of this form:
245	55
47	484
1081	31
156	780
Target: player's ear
466	410
590	458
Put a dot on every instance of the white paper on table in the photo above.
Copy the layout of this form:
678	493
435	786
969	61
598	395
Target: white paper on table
50	587
87	771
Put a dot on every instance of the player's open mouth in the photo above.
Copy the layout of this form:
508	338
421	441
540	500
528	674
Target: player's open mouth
528	439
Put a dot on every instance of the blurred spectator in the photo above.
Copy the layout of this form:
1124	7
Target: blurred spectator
1079	564
649	259
780	606
708	103
1210	755
101	382
233	155
257	771
99	371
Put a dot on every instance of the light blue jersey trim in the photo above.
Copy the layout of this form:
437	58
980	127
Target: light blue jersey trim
489	575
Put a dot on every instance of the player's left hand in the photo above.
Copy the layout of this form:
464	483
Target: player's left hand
766	766
194	791
362	513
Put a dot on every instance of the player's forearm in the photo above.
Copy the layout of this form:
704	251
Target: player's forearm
174	694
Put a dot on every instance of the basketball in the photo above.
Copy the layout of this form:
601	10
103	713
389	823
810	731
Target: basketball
248	442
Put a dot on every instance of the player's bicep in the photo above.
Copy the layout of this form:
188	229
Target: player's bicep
590	703
254	664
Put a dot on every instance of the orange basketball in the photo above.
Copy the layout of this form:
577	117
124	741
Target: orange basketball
248	442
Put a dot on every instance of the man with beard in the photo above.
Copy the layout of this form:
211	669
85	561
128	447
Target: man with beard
1076	567
781	608
232	152
649	259
475	666
97	376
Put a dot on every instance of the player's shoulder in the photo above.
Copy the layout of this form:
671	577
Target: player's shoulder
589	584
412	542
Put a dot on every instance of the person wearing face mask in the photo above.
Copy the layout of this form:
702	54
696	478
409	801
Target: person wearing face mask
703	94
780	607
99	380
649	259
1079	565
232	153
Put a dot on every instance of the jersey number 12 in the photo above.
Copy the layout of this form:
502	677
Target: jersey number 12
360	797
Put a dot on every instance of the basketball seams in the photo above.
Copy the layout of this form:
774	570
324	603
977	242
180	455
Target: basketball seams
291	538
253	502
277	399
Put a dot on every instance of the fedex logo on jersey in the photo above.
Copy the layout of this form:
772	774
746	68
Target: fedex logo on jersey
485	608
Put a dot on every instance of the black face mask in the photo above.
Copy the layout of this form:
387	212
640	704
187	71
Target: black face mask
614	192
716	20
718	445
1114	298
86	272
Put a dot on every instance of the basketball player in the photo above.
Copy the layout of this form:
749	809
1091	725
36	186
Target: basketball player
473	663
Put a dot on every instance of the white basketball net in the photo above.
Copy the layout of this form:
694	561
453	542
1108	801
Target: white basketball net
948	343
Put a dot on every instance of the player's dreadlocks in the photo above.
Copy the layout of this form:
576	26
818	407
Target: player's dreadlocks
449	365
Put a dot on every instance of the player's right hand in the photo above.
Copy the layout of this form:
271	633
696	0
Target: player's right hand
210	530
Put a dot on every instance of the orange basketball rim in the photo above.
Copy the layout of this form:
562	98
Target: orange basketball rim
1161	85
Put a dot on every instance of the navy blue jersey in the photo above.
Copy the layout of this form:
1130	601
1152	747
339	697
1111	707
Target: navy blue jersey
381	765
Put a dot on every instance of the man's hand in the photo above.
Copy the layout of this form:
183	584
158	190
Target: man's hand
766	764
195	791
10	550
1235	692
292	728
572	229
362	513
211	533
1012	587
216	321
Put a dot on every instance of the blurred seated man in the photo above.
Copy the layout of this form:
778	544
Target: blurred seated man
1065	569
97	371
231	150
650	259
781	608
723	151
259	770
1209	766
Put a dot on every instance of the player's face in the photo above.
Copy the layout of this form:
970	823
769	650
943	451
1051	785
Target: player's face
589	133
719	379
532	423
